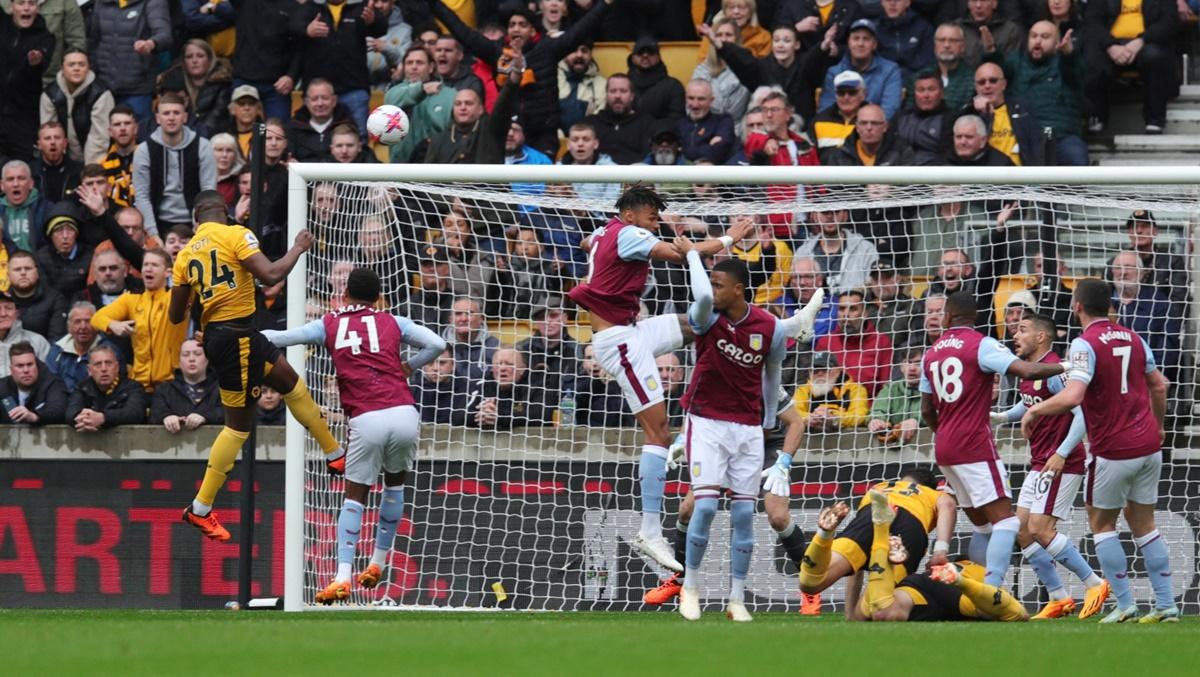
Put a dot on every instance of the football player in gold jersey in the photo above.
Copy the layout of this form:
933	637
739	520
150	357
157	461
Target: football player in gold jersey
219	267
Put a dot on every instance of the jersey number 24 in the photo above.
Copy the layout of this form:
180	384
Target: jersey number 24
217	274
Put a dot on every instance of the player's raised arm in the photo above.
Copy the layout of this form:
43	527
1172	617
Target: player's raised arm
429	344
273	272
312	334
671	252
700	313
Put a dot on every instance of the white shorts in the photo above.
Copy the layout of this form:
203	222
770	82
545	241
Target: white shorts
974	485
724	454
1042	495
1113	483
383	439
627	353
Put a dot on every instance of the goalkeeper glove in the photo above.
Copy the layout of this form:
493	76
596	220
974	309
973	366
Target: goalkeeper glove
675	453
998	419
777	478
335	463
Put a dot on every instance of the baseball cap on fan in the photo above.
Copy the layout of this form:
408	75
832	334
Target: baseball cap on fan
848	80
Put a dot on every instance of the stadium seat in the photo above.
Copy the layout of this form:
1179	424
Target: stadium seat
510	332
679	57
917	285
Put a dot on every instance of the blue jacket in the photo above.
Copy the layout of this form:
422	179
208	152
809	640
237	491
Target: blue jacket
696	137
883	79
1151	317
908	41
65	364
528	156
560	231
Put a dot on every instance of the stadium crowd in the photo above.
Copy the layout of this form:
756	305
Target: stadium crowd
118	112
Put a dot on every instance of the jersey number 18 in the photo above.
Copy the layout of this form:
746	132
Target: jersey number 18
947	378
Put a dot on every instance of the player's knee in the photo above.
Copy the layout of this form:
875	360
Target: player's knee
704	510
685	509
888	615
1042	532
778	519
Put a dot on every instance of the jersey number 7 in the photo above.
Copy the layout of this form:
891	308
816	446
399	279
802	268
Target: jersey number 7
220	274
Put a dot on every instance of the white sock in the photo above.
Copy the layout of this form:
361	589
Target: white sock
343	574
200	509
651	525
737	590
690	577
379	557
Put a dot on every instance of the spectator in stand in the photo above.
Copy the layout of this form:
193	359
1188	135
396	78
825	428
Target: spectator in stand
655	93
846	256
112	278
12	332
469	340
190	399
1131	36
229	162
441	395
208	81
836	122
43	310
955	273
972	147
448	57
503	400
984	30
1049	77
118	159
1145	310
583	148
475	136
623	131
551	353
473	265
769	261
126	37
81	104
540	84
315	121
430	304
346	147
271	410
427	100
105	400
863	352
170	168
177	238
26	47
777	145
68	357
870	145
54	174
1013	129
267	54
1067	16
65	21
905	38
798	73
65	260
889	307
958	77
211	20
813	18
124	227
30	395
532	275
728	95
1161	268
895	415
881	76
581	87
386	52
921	125
807	278
599	402
517	152
141	318
245	110
933	323
705	135
330	37
22	209
552	17
830	401
750	34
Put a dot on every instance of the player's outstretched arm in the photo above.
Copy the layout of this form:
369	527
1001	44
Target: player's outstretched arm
312	334
1011	416
429	344
1035	370
947	513
700	313
273	272
674	253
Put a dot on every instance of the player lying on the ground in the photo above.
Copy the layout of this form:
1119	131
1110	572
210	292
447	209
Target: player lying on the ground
949	592
732	396
920	508
1055	473
619	257
1115	379
372	380
957	375
219	265
783	440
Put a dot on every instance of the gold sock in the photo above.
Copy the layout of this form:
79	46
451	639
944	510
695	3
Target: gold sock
301	404
881	581
990	601
815	561
224	452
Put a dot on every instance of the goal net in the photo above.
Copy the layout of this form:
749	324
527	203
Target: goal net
524	494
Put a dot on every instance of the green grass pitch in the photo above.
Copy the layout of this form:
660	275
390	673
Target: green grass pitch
221	643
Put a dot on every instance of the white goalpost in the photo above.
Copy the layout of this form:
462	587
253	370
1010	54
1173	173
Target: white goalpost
524	490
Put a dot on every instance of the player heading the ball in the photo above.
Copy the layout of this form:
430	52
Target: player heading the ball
620	253
219	265
372	380
957	374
